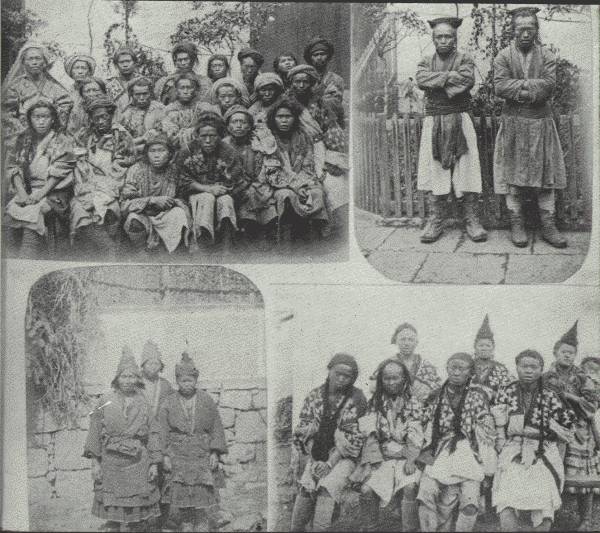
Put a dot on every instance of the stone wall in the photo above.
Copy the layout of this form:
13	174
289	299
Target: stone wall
60	482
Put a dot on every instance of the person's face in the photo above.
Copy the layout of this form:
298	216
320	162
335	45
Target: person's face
484	349
34	61
41	120
458	371
101	120
525	32
239	125
444	38
158	156
91	90
127	381
227	96
284	120
141	96
151	369
392	378
565	355
218	69
529	369
319	58
183	61
125	64
267	94
249	68
406	341
286	63
340	377
187	384
208	138
80	70
301	82
185	91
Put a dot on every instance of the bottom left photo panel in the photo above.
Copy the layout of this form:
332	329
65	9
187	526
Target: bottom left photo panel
146	400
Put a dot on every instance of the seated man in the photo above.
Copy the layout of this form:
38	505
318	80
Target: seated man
211	177
106	152
459	427
148	199
328	434
531	419
393	439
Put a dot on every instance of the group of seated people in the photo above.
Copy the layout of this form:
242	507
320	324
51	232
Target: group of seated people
481	444
180	162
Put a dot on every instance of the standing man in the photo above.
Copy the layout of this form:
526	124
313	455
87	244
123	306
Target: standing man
448	155
528	155
318	53
250	63
125	61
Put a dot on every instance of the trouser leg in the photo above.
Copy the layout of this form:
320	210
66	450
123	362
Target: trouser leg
369	508
509	520
32	244
137	235
409	508
302	513
323	511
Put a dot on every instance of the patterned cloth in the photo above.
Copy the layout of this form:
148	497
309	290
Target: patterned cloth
492	378
116	87
138	121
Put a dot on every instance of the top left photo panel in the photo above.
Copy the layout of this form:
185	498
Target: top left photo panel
175	131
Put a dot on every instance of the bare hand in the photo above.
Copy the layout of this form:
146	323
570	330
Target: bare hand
219	190
34	197
21	198
163	202
152	473
321	469
213	461
167	466
410	468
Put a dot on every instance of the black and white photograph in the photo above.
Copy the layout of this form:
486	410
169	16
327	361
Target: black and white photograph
179	131
146	400
403	417
473	140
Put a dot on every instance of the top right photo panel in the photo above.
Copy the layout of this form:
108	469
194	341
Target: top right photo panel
473	140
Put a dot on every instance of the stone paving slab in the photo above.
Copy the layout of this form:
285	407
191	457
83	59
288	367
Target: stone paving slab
539	268
471	269
498	243
397	266
578	244
408	239
369	238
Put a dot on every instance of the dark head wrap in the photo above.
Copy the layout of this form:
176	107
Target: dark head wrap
187	47
211	118
186	367
529	353
268	78
316	44
344	359
524	11
462	356
155	136
237	108
100	101
402	327
570	337
485	331
254	54
452	21
139	80
122	51
304	69
85	81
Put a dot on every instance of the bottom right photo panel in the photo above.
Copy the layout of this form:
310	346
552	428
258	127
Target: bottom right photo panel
396	408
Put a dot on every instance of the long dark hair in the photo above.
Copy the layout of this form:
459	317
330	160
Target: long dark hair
456	423
376	401
286	102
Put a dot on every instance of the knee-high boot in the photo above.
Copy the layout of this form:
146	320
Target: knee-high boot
410	515
323	512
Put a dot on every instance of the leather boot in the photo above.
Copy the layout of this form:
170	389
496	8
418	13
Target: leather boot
410	515
369	512
435	225
323	512
465	522
550	232
474	229
518	236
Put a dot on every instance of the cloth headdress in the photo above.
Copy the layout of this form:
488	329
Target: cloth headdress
185	46
186	367
452	21
318	43
139	80
590	359
530	353
267	78
124	50
254	54
155	136
150	352
485	331
570	337
344	359
524	11
71	60
100	101
462	356
238	109
304	69
210	118
236	84
127	362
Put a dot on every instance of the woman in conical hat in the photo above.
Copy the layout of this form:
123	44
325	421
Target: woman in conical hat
124	447
192	441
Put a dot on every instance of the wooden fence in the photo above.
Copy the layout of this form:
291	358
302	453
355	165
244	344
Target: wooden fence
385	169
